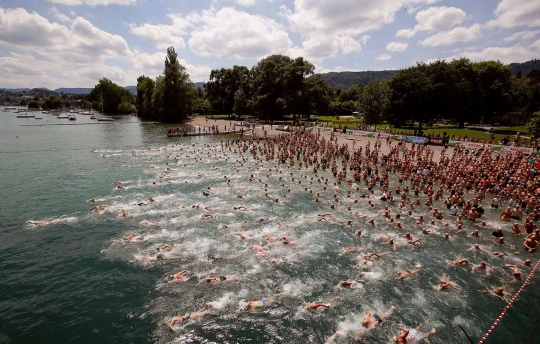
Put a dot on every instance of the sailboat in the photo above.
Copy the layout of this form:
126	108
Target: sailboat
103	119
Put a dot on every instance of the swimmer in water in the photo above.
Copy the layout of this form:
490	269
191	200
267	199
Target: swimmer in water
253	305
459	262
445	282
482	266
348	284
376	255
498	292
373	320
332	338
516	274
286	241
403	274
530	244
164	247
124	214
402	338
92	200
206	216
131	237
158	257
180	276
476	247
317	305
194	315
239	208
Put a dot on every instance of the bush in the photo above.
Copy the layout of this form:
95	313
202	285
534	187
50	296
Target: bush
126	108
533	126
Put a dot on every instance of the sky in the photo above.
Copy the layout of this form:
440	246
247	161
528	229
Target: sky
74	43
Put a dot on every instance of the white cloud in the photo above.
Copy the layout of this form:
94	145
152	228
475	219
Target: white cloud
82	43
319	69
93	2
517	53
59	55
522	36
232	34
163	36
322	22
456	35
397	46
60	16
343	17
153	65
317	48
383	57
349	45
246	2
512	13
435	19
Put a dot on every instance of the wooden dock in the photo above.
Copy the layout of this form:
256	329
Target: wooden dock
194	133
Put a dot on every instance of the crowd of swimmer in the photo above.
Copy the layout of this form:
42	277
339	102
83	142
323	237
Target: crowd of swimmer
464	180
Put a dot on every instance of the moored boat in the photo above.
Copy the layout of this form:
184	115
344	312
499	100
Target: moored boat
25	115
105	119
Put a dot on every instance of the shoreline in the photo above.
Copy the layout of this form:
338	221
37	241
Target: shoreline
351	141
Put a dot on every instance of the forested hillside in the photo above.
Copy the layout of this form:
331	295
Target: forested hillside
347	79
525	67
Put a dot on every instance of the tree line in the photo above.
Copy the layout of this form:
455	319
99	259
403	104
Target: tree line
279	86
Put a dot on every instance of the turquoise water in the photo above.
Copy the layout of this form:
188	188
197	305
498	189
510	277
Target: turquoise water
75	279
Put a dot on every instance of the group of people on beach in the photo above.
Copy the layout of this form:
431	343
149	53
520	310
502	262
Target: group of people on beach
405	179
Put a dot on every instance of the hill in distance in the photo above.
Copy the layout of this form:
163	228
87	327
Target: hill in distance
86	90
334	79
525	67
347	79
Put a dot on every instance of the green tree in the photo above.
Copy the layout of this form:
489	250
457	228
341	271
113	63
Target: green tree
127	108
410	101
177	90
240	103
352	93
533	126
202	107
338	109
374	101
145	91
52	103
319	96
110	94
494	88
220	90
278	84
33	104
157	97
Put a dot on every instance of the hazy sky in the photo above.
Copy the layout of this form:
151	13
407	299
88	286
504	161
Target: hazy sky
68	43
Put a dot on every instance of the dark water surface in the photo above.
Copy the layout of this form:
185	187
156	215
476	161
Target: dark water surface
75	280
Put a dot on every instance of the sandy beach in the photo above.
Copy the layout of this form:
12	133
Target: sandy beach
350	141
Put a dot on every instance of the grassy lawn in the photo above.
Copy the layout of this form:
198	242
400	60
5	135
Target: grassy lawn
471	132
352	121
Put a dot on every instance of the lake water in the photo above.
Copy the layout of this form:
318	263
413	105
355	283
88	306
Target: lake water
74	279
